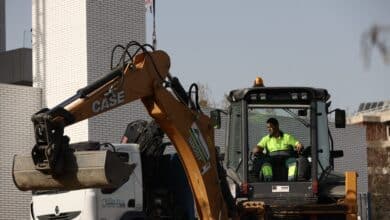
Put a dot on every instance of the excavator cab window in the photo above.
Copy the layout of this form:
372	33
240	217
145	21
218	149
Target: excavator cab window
294	120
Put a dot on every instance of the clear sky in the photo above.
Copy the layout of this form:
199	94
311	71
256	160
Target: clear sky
226	44
18	23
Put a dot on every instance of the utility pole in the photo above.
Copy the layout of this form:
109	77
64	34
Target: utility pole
2	25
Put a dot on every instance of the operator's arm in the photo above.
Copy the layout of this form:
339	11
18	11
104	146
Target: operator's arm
294	142
299	146
125	136
259	148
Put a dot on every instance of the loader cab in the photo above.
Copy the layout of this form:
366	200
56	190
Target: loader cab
303	113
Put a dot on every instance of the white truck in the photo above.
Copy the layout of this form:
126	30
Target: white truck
152	189
102	204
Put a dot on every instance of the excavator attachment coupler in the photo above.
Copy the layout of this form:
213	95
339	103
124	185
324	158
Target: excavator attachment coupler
83	169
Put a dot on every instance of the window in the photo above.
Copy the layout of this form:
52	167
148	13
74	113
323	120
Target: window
293	120
289	120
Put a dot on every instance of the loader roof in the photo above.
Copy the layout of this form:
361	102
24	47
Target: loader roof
278	93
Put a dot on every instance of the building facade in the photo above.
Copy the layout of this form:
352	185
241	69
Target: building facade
17	104
374	118
72	42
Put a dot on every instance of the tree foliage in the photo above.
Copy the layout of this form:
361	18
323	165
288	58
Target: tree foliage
205	96
206	99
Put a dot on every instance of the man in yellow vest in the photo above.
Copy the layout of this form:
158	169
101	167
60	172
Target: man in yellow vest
279	146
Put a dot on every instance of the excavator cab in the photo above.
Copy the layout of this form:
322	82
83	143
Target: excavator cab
303	113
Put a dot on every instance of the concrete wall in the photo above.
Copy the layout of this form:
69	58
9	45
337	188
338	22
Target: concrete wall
17	104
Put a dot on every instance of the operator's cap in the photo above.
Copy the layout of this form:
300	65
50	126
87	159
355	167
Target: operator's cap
258	82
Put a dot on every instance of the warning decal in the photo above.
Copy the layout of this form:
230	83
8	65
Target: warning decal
199	147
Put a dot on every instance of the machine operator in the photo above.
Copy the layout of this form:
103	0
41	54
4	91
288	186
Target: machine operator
280	148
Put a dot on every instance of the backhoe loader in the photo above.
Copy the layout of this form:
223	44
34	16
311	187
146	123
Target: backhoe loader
234	190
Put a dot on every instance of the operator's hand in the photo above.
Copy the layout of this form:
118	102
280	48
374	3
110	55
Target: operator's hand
256	150
124	140
299	147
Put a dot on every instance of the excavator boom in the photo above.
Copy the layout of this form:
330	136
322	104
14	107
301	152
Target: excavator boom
53	165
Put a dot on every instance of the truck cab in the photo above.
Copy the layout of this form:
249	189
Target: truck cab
301	112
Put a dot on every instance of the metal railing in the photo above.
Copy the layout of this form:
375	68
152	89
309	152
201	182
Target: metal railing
364	206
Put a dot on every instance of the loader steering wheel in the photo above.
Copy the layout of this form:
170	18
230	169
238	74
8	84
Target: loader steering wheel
254	156
306	152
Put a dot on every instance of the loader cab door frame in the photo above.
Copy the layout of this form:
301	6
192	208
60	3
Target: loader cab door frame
323	145
235	158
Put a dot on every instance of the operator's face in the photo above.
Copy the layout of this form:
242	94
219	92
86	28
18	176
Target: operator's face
272	129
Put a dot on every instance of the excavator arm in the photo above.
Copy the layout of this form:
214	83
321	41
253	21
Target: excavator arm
123	85
146	77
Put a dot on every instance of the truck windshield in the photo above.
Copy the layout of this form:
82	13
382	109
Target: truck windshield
293	120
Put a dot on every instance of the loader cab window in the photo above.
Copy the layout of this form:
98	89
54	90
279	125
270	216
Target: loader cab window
323	138
294	120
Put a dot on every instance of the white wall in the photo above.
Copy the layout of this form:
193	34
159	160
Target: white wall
60	53
17	104
72	42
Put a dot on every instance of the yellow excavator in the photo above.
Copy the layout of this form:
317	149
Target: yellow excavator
232	188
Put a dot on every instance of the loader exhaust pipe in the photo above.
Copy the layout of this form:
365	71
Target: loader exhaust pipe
83	169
